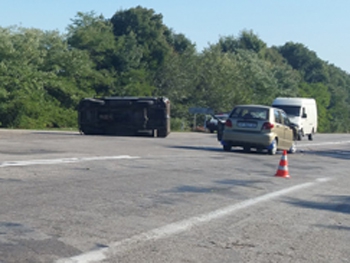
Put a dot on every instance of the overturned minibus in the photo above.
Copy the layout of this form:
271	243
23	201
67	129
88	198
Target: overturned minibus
128	116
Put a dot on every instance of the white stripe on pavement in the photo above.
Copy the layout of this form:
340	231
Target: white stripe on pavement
179	227
64	160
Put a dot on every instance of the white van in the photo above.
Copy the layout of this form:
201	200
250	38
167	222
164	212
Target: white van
302	112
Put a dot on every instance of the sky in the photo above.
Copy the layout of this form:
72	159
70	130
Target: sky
323	26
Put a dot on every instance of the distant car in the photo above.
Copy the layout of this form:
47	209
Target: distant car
213	123
260	127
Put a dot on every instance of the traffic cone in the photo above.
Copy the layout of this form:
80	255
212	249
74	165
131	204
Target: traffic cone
282	170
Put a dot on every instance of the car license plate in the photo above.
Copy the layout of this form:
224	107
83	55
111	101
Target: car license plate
246	124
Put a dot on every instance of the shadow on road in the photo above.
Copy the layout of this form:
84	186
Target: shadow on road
216	189
143	135
337	204
334	153
198	148
217	149
337	227
234	182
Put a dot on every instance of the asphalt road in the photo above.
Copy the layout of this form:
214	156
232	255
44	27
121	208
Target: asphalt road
66	197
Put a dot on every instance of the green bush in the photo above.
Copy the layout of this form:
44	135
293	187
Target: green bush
178	124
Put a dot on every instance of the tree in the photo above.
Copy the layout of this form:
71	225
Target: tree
40	77
219	82
287	80
179	43
258	78
250	41
176	79
44	74
149	31
95	35
305	61
246	40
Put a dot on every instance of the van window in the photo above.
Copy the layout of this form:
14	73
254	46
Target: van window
290	110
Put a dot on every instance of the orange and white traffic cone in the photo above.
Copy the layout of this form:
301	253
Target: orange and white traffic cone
282	170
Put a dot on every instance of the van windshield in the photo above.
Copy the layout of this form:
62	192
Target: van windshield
290	110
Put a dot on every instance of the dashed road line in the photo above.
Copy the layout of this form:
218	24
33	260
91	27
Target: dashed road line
64	160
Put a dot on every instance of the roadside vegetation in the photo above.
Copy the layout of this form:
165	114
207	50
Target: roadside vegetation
44	74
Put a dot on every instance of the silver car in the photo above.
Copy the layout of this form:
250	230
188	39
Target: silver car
260	127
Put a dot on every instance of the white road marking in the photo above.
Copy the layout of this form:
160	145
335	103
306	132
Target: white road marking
179	227
64	160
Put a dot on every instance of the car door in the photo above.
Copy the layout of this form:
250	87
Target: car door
288	131
279	128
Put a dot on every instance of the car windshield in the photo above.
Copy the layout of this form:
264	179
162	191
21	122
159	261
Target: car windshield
250	113
290	110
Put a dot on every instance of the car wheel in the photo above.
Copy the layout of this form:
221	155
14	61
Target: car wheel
219	135
293	148
87	131
273	147
227	148
220	131
162	133
300	135
310	137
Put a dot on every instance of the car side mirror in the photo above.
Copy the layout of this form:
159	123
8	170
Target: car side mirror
304	115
